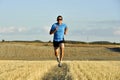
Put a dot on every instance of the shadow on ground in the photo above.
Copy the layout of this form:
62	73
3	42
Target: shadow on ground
58	73
116	49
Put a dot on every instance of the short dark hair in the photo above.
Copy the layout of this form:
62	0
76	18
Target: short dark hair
59	16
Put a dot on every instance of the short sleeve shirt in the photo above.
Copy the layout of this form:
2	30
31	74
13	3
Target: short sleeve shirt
59	34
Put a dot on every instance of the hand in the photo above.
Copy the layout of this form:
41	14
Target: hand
56	28
52	32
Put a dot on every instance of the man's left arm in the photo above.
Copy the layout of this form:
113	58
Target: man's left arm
66	30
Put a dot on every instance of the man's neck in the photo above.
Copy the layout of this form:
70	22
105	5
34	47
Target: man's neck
59	23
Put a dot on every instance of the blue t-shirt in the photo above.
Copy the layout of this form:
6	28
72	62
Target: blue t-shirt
59	34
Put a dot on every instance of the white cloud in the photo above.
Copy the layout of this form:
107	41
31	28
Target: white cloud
7	30
46	28
22	29
12	29
117	32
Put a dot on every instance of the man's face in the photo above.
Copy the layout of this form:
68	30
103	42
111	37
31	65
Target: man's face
59	20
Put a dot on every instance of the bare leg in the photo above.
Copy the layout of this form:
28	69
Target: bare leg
56	50
61	51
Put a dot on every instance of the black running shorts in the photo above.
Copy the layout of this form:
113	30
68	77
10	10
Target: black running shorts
57	43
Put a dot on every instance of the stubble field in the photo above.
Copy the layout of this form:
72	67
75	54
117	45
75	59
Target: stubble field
35	61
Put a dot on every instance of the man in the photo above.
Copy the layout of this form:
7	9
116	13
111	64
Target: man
59	29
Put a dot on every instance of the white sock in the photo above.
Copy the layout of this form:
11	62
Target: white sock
61	61
57	56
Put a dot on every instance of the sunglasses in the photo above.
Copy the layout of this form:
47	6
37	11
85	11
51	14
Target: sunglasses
59	19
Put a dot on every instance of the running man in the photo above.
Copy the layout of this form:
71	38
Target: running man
59	29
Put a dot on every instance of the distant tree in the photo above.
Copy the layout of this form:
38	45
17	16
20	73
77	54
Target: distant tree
100	42
37	41
114	43
75	42
3	40
49	41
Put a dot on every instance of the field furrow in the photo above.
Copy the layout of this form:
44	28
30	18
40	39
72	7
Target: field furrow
95	70
48	70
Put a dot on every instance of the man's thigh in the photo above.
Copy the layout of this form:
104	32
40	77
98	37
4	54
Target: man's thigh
61	45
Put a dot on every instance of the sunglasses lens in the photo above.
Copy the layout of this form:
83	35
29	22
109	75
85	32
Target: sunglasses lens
59	19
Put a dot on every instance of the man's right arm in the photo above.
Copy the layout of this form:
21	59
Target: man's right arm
53	31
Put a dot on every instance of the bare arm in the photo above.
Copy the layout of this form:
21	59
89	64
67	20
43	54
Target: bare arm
53	31
66	30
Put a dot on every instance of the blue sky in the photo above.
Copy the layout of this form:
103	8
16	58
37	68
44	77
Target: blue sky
87	20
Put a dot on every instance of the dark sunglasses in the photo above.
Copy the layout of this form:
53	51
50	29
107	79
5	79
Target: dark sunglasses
59	19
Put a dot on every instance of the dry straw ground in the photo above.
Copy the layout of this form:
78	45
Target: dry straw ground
41	51
48	70
36	61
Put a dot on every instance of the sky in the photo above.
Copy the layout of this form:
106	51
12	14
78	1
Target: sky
87	20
